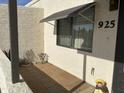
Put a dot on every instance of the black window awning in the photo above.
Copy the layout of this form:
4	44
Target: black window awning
68	13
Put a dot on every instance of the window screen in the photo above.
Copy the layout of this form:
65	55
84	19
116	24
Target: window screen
64	32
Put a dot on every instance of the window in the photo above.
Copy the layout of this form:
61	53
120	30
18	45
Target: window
64	32
77	31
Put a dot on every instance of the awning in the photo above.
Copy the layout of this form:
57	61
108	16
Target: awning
68	13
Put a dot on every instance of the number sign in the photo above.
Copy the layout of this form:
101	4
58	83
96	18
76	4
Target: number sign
106	24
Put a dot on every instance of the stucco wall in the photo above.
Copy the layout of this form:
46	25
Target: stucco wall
104	41
6	84
30	29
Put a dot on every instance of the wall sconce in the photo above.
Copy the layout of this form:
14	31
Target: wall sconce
113	5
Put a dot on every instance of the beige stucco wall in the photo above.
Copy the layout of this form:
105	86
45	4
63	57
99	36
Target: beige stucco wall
104	41
30	29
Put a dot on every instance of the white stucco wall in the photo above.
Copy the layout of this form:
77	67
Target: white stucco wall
6	84
30	30
104	41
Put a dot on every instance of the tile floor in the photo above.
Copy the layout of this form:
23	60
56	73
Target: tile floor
47	78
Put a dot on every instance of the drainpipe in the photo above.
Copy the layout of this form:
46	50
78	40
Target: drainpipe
84	67
13	26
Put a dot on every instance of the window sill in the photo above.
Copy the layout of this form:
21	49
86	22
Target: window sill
85	50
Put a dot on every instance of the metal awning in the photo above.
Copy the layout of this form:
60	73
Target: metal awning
68	13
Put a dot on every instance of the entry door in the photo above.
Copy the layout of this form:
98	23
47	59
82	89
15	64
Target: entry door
118	77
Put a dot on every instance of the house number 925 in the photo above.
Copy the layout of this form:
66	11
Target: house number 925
106	24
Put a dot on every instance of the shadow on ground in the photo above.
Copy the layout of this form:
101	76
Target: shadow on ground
46	78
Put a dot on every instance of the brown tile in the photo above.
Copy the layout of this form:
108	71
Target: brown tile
47	78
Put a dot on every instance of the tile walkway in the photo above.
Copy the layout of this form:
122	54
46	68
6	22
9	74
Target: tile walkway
47	78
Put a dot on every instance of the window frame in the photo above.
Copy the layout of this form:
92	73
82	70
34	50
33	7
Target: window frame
57	28
72	33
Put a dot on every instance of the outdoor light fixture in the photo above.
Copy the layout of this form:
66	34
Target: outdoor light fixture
113	5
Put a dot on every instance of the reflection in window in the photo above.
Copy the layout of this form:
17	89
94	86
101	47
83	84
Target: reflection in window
76	32
83	30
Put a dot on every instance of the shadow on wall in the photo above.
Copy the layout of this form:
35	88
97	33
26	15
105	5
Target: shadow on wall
30	57
101	41
7	53
102	46
99	52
